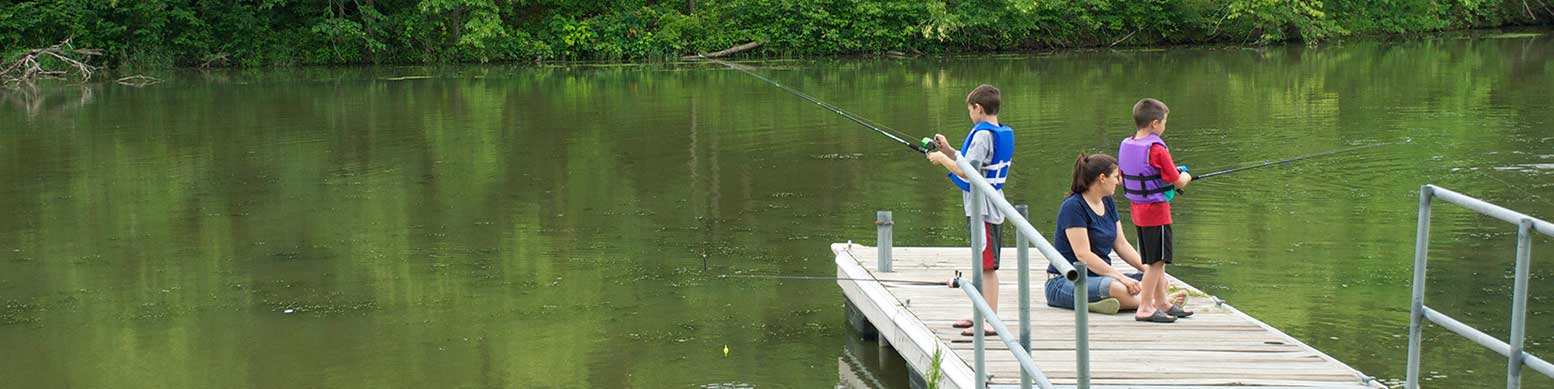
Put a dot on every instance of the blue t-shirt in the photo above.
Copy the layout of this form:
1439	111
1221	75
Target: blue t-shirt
1102	229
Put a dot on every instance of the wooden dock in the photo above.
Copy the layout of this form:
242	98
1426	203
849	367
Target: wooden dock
1218	346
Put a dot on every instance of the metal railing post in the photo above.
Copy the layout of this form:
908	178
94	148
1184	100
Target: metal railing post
1021	356
1023	229
884	224
1416	312
1022	226
1082	324
1022	248
978	232
1513	375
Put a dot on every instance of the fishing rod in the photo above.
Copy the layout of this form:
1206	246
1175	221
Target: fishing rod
1307	156
952	283
927	144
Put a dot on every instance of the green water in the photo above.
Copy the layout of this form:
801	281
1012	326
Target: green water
564	226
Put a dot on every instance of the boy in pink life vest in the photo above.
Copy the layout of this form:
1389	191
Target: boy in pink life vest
1150	180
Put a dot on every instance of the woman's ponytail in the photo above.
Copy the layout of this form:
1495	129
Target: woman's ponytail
1088	169
1077	185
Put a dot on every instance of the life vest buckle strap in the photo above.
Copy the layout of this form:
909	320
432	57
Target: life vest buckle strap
1162	189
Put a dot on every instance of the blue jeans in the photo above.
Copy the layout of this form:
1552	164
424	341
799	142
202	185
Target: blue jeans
1060	291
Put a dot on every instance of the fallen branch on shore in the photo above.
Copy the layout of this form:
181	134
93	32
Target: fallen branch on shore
724	52
30	65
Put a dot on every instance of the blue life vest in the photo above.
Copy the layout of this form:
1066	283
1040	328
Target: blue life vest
997	170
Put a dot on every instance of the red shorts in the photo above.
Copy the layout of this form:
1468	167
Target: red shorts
991	243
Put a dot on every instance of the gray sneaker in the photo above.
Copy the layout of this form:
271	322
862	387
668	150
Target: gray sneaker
1108	305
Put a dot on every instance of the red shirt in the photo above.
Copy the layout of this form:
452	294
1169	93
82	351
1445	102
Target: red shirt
1156	214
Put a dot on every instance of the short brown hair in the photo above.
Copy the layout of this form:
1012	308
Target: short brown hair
1149	110
986	96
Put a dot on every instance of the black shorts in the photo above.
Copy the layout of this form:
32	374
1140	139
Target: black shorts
1155	244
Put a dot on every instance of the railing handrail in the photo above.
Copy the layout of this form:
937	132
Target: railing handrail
1490	209
982	192
1020	354
1419	312
1022	226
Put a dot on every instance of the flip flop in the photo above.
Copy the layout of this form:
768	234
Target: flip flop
1108	306
988	332
962	324
1176	310
1158	317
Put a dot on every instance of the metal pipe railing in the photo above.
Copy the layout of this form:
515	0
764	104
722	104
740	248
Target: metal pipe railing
1021	354
978	231
1419	312
1491	210
983	313
1022	226
1023	247
1082	327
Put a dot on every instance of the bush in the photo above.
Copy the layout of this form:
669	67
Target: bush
284	32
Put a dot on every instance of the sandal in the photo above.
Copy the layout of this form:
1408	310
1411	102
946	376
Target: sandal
962	324
1158	317
1176	310
986	331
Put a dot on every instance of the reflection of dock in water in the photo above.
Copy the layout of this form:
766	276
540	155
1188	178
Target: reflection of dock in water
1219	346
866	364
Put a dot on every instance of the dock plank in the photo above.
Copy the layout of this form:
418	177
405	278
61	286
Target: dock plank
1219	346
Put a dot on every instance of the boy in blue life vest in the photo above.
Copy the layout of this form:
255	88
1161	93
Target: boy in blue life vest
1150	180
992	145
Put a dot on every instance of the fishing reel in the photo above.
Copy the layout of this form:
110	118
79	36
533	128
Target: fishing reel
1179	191
928	145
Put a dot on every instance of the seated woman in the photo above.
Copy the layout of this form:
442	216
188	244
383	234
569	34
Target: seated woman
1089	229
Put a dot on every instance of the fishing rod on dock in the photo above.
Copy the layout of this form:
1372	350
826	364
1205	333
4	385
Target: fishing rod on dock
1307	156
926	145
953	282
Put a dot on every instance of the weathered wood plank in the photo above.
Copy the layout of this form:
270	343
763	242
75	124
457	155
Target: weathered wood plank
1220	346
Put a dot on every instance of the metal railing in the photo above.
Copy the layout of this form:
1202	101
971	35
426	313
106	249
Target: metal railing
1025	235
1526	225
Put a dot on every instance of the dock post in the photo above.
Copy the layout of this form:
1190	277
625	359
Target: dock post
978	232
1022	247
1416	311
884	223
1513	375
1081	325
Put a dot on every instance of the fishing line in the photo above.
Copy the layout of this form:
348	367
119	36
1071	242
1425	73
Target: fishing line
891	133
948	284
1307	156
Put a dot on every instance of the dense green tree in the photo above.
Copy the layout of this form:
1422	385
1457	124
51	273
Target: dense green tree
284	32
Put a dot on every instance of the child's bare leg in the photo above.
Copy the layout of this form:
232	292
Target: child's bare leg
990	291
1162	287
990	288
1163	291
1148	297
